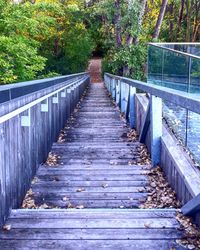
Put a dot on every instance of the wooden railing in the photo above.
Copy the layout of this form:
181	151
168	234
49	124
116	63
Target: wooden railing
9	92
123	91
28	127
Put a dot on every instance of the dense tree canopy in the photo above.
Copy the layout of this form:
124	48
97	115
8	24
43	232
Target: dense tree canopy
43	38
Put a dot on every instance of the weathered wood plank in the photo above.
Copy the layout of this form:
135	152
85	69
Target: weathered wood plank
87	176
95	183
90	213
89	244
25	147
91	234
101	177
94	223
192	206
68	189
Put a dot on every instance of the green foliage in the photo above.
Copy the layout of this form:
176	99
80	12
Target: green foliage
18	60
134	57
42	39
59	36
126	56
129	57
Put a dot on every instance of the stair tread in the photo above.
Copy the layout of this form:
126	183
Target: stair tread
101	172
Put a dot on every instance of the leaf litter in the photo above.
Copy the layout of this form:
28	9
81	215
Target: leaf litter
63	134
52	160
191	238
29	202
161	195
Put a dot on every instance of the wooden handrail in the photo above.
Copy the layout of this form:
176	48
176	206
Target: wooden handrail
185	100
192	206
27	132
35	102
12	91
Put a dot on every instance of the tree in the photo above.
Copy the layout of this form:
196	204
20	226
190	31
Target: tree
42	38
160	19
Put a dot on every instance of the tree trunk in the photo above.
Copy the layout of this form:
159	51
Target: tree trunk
188	19
141	15
117	19
171	23
196	22
160	19
130	39
180	15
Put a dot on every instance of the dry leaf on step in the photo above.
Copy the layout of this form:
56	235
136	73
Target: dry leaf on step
7	227
80	207
80	190
104	185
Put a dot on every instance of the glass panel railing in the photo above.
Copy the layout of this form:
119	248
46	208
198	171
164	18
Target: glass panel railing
175	71
155	69
193	135
195	76
178	67
176	119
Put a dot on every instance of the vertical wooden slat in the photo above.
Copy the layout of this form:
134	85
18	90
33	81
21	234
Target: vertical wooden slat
132	108
23	147
156	128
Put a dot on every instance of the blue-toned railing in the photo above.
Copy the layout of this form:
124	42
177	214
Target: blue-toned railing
12	91
123	91
28	127
172	68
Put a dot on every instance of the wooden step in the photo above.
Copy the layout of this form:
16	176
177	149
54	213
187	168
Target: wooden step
94	172
92	229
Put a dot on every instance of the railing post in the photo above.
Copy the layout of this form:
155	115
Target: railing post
118	92
155	128
122	97
132	116
113	88
26	119
127	102
110	85
45	105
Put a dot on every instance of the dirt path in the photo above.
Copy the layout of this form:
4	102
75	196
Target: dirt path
95	70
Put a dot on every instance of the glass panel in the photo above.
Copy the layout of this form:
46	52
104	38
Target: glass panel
195	76
172	69
175	71
193	135
175	117
155	65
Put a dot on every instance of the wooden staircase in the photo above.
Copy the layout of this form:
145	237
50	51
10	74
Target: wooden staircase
99	182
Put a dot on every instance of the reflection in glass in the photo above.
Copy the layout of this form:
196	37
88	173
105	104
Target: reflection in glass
177	66
155	59
193	134
175	117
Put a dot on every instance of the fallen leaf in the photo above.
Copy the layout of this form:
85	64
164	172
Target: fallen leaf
190	246
80	207
65	199
35	180
104	185
7	227
45	206
52	159
70	205
80	190
113	162
55	178
147	225
87	162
